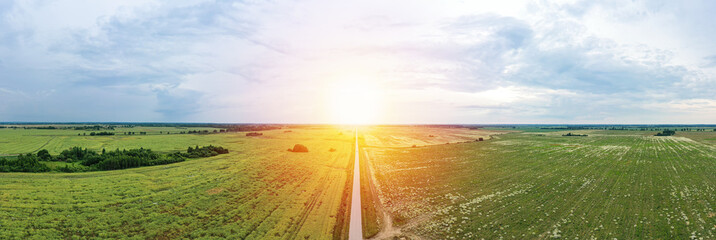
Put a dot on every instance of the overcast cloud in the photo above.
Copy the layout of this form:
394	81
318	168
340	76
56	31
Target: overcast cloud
436	61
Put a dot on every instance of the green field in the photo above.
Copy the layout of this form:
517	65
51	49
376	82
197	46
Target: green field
18	141
259	190
527	185
416	183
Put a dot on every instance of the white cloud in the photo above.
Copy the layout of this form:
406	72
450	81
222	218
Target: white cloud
439	62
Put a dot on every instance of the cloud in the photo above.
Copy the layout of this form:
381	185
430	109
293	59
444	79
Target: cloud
710	61
454	62
178	104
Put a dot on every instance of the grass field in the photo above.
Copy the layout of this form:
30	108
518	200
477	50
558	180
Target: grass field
532	184
259	190
401	136
524	185
17	141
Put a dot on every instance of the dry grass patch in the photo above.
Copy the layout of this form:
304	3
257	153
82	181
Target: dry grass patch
214	191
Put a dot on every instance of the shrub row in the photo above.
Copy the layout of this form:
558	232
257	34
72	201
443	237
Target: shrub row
106	160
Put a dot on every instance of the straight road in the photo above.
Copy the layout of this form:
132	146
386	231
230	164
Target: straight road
355	231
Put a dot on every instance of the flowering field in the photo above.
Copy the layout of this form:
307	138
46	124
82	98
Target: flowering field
257	191
520	185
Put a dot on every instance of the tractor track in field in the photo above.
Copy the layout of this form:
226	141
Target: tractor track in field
387	229
43	145
239	201
253	229
313	201
258	224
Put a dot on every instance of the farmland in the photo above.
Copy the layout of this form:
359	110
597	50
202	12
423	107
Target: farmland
417	182
258	190
406	136
539	184
17	141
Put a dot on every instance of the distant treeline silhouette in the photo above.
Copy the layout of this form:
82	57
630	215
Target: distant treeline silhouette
574	135
666	132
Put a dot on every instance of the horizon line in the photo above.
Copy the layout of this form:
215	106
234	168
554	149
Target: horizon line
341	124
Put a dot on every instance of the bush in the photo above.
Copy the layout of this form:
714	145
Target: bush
128	161
92	160
44	155
23	163
299	148
206	151
75	154
101	134
117	159
71	168
574	135
108	160
666	132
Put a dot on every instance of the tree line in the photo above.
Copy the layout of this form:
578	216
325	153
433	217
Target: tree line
574	135
206	151
106	160
97	134
666	132
95	127
23	163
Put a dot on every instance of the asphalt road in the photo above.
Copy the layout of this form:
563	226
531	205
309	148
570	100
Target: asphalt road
355	231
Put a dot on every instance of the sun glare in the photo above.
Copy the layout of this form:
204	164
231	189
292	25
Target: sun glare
355	101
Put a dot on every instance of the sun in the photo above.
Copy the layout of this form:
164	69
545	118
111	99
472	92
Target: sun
355	101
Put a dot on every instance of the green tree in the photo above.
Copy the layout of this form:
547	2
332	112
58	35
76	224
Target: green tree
44	155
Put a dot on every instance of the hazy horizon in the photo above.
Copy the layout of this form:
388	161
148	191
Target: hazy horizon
371	62
370	124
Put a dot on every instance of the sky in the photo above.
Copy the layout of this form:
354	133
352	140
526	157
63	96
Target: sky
392	62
